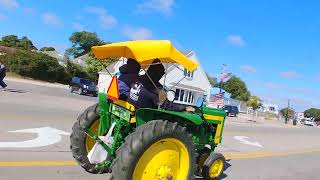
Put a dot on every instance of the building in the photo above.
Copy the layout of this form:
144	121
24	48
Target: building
269	107
191	86
300	116
55	54
7	50
81	60
229	101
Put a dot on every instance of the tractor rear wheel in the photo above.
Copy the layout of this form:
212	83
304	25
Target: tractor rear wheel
156	150
81	144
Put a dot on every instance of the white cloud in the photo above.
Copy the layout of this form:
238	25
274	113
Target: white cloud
9	4
108	21
137	33
236	40
29	11
301	97
2	17
290	74
162	6
51	19
78	26
248	69
299	104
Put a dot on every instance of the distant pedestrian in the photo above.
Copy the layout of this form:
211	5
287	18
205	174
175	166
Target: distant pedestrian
2	75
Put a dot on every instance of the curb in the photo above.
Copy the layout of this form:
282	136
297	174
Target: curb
35	82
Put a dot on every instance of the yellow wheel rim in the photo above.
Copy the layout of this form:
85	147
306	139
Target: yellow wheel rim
165	159
89	142
216	168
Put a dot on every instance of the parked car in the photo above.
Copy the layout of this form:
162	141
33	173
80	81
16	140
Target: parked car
308	122
231	110
83	86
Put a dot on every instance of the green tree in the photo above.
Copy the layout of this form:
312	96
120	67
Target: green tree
35	65
26	44
212	80
312	113
10	38
47	49
13	41
254	102
94	65
82	43
75	70
237	88
10	41
285	111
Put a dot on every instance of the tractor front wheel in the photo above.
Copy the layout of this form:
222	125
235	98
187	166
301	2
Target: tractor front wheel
81	144
213	166
156	150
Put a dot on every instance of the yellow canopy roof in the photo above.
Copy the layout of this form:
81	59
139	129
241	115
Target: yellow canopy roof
145	51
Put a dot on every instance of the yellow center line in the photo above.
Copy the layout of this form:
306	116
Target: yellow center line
267	154
249	155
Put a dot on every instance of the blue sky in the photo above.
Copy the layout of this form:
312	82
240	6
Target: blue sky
273	45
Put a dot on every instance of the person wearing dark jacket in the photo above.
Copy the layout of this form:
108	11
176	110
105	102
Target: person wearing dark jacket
2	75
129	74
145	93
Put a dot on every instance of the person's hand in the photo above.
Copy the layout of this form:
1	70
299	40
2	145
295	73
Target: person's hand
190	109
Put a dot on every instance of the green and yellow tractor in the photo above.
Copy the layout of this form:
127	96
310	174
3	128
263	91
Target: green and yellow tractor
147	144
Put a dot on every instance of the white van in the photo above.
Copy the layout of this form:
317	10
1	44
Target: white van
308	122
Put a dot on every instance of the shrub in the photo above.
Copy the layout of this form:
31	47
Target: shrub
36	65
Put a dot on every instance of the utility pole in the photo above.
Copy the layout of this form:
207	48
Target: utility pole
287	115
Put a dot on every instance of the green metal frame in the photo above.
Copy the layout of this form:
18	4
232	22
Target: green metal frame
203	130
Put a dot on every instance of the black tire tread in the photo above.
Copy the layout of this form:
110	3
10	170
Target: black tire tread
212	157
77	139
142	138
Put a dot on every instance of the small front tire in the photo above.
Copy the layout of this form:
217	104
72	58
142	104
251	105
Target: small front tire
214	166
81	144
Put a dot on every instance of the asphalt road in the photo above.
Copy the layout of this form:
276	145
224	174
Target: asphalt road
254	151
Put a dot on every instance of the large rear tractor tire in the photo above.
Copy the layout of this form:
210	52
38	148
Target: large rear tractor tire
156	150
81	144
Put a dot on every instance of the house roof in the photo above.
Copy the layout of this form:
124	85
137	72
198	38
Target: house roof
183	86
9	50
54	54
83	57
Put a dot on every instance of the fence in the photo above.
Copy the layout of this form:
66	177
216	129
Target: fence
240	104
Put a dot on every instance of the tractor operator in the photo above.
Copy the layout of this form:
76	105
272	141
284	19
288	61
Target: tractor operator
144	93
129	74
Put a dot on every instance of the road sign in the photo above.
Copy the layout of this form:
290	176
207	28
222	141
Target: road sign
46	136
244	140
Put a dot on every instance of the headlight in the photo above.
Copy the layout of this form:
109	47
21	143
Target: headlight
85	86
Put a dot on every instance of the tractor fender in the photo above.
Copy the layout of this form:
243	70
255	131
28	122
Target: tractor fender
144	115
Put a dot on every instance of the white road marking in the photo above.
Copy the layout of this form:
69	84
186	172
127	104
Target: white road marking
46	136
244	140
